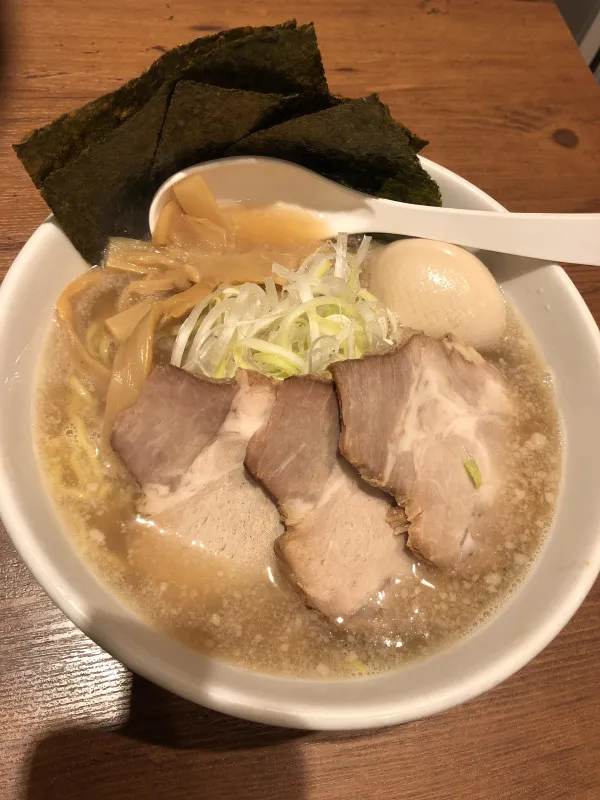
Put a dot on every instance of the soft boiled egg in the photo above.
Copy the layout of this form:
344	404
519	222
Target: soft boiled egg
440	289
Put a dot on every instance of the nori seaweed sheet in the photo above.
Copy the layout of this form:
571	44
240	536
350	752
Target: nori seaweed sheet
356	143
296	105
416	142
52	146
293	65
105	191
259	91
277	61
204	120
64	158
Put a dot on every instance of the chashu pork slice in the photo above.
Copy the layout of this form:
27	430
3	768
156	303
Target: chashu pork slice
338	549
412	421
174	419
185	442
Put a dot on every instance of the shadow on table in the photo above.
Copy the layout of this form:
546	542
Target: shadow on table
169	747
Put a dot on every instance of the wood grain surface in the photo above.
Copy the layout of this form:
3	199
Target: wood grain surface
501	91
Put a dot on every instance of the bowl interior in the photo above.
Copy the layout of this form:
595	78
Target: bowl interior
563	574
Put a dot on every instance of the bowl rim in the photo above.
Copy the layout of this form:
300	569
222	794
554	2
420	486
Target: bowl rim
248	706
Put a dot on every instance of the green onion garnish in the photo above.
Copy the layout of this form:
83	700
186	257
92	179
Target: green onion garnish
473	470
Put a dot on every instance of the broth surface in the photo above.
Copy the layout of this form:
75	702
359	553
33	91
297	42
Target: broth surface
250	616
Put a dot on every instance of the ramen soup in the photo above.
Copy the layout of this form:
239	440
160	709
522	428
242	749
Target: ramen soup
306	456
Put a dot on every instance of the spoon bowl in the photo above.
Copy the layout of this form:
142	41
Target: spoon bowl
270	181
266	181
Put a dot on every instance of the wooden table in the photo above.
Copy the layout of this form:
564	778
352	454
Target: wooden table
499	88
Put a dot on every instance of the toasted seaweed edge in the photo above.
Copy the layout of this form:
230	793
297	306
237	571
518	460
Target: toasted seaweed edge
38	151
275	61
416	142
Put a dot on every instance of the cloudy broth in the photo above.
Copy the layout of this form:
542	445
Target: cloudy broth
250	616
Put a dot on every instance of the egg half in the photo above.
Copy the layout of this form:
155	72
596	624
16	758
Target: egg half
440	289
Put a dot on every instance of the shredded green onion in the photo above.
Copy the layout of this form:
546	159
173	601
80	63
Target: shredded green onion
474	472
321	315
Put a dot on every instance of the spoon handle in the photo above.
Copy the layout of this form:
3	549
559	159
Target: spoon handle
574	238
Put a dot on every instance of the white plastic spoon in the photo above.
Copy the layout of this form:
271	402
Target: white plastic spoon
573	238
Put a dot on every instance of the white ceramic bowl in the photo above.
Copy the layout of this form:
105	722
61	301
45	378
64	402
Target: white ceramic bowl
555	587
